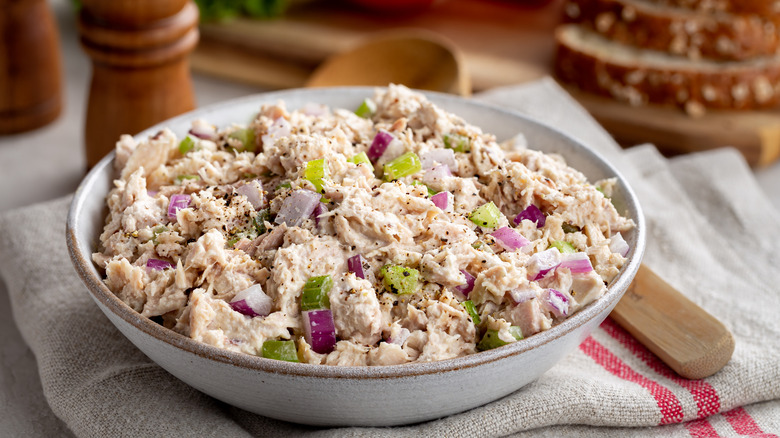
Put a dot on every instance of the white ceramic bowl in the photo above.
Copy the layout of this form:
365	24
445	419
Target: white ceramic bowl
330	395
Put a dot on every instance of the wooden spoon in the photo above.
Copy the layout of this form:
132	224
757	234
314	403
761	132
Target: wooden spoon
412	57
683	335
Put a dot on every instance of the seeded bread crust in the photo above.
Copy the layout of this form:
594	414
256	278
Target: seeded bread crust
760	7
597	65
642	23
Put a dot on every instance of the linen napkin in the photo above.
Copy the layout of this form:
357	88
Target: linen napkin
710	234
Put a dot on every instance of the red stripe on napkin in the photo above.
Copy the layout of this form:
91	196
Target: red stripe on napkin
671	409
744	424
705	396
701	429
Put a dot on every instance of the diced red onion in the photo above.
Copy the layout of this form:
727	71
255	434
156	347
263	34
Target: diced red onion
543	273
378	146
522	294
443	200
252	301
557	302
436	174
578	262
176	203
432	157
158	265
253	190
297	207
509	239
319	330
533	214
315	109
280	128
466	289
542	262
319	209
203	130
400	337
618	244
355	264
152	193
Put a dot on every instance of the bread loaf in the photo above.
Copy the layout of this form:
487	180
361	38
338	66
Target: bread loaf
695	34
761	7
598	65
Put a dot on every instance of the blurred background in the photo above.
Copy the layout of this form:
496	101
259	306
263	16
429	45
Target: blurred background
74	74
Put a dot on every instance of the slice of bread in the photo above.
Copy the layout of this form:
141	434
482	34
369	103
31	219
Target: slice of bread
686	32
760	7
598	65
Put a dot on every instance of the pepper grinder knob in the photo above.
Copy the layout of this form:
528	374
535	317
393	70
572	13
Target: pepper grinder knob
140	66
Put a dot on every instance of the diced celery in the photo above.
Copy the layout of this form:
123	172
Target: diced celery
280	350
563	246
249	233
482	246
157	231
405	165
486	215
366	109
362	158
457	142
247	138
516	332
284	185
472	310
400	279
181	178
569	228
315	293
259	220
490	341
316	171
233	240
431	192
605	195
186	145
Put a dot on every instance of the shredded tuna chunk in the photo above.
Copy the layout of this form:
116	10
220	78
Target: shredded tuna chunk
356	310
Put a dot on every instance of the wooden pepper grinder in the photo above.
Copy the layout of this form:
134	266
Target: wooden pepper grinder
30	66
140	66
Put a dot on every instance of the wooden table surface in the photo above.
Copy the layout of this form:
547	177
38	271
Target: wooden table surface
504	42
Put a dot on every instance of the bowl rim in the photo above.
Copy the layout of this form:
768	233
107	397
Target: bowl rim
110	302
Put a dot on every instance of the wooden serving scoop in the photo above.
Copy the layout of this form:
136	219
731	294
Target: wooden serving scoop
413	57
683	335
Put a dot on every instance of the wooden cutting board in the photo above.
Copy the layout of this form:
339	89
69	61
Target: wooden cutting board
503	43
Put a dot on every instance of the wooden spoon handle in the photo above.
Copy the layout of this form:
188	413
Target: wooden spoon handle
683	335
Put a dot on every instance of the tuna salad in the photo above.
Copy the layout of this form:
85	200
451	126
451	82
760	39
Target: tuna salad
390	233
